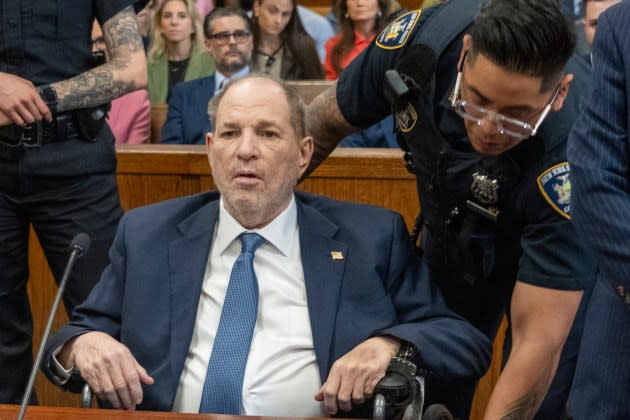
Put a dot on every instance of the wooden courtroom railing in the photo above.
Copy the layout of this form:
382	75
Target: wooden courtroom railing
10	412
151	173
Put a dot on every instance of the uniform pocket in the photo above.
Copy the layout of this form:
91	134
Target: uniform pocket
63	19
74	20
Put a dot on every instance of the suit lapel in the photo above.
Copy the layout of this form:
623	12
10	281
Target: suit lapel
188	256
322	276
204	91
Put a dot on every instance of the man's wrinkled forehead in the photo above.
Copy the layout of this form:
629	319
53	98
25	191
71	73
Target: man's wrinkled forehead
244	98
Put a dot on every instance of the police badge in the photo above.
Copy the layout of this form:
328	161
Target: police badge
485	190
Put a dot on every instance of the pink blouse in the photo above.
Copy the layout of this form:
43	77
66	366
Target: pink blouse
130	118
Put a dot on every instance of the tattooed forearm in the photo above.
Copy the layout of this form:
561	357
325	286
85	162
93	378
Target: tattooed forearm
91	88
523	408
125	71
326	124
122	30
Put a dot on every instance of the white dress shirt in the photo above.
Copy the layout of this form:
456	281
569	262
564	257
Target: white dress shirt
281	376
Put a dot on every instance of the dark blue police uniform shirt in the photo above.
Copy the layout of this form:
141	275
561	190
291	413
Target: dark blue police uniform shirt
46	41
538	244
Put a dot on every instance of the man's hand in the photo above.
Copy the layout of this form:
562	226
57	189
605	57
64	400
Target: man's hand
108	367
4	120
20	101
354	376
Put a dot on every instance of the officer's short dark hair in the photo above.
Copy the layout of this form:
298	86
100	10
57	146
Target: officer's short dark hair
525	36
297	107
219	12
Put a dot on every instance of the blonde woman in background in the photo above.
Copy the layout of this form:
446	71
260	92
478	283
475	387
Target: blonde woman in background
177	51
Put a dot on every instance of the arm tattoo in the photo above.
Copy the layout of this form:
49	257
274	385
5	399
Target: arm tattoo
326	124
111	80
524	408
122	30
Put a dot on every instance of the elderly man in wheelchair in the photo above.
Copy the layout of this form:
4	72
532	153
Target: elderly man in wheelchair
258	299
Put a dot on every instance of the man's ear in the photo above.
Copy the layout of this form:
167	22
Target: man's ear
465	46
565	83
306	152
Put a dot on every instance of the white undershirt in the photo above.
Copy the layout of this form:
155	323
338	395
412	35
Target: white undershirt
281	375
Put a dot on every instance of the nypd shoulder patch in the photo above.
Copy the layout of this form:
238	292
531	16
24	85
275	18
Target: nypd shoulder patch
396	34
555	186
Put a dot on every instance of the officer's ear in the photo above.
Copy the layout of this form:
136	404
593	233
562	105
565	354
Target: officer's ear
565	83
462	55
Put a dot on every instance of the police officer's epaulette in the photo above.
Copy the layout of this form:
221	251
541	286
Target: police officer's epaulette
398	32
555	187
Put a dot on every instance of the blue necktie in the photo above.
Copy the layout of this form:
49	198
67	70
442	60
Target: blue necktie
223	386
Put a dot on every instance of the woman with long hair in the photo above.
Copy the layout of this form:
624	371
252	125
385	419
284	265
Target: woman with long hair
359	22
177	51
282	47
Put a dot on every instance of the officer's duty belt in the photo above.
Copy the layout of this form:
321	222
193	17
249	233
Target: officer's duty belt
39	133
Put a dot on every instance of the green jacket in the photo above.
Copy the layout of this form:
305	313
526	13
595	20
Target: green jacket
201	64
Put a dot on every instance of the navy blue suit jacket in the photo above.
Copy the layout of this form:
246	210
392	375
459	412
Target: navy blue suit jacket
599	154
187	119
147	298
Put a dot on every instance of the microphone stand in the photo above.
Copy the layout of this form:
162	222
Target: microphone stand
77	251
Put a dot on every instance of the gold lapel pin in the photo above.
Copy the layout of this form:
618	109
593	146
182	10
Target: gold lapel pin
336	255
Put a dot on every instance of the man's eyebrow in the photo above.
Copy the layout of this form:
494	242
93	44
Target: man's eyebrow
266	124
228	124
485	100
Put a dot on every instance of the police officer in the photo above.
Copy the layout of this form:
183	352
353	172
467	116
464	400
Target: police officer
485	129
57	155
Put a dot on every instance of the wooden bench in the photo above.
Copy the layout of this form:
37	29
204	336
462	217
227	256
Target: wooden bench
158	116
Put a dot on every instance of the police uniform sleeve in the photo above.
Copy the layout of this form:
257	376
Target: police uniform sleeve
360	86
106	9
553	256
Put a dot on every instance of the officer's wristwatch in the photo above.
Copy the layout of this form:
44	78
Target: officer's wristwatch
49	96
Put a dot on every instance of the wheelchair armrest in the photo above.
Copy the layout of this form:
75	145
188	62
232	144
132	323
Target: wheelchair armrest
86	396
400	394
397	390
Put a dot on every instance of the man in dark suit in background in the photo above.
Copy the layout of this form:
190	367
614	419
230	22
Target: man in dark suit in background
229	42
339	287
598	151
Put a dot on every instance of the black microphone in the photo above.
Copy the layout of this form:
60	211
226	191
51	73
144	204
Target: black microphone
78	247
413	72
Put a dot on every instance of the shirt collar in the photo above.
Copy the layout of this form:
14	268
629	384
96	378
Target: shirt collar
279	233
219	77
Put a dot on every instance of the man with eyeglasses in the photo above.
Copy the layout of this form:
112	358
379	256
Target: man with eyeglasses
229	42
485	134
